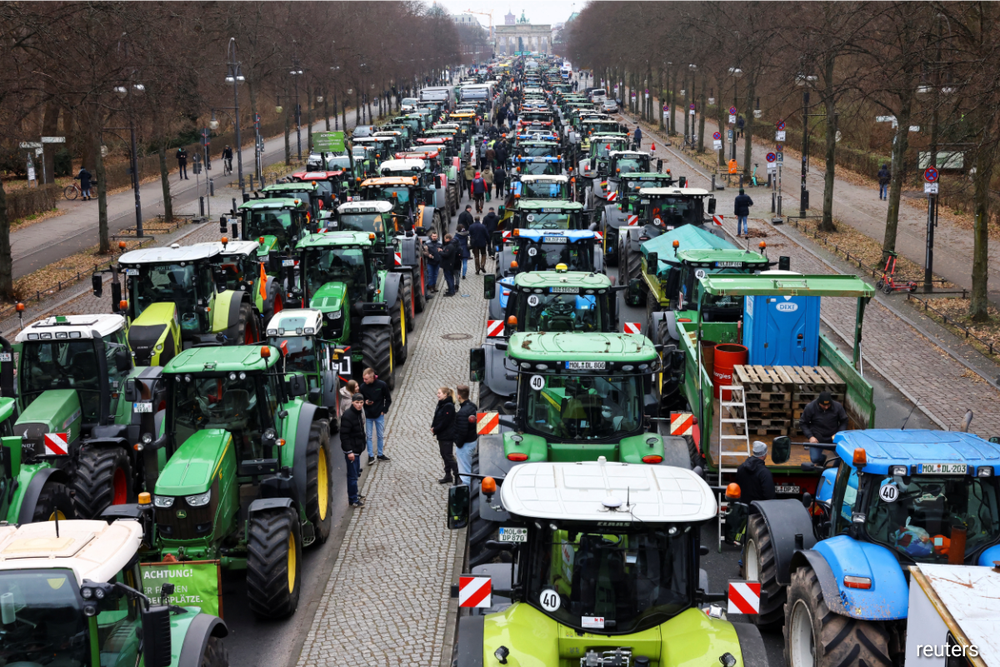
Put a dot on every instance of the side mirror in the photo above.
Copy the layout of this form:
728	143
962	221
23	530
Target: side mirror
246	197
807	500
390	259
10	453
489	286
297	385
477	364
222	225
156	637
123	360
274	263
784	263
236	231
659	165
652	262
97	283
711	205
593	163
995	440
116	294
781	449
458	506
500	210
510	406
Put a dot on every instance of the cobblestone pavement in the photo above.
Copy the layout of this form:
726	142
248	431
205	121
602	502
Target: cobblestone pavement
387	601
942	387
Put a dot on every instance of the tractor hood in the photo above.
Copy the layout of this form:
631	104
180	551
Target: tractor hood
53	411
330	297
191	469
269	244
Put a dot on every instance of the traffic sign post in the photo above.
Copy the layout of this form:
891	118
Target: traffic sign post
931	176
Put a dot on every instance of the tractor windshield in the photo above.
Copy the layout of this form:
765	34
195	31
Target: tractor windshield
299	352
631	579
541	189
544	150
361	222
583	407
278	223
62	365
539	220
673	211
602	148
224	401
47	625
921	521
627	165
560	312
180	283
545	256
540	168
335	265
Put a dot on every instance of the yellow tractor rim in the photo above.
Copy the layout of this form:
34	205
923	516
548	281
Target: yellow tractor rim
324	485
402	321
391	364
57	514
292	563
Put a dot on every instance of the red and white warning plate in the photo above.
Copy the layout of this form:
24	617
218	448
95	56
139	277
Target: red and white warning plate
632	327
744	597
56	444
494	328
475	592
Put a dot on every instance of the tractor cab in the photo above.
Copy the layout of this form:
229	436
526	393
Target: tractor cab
333	186
542	214
542	187
536	148
544	250
400	136
597	150
298	334
555	300
276	224
374	216
305	191
550	165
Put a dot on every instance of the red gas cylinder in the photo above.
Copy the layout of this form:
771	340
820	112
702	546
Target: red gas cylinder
727	355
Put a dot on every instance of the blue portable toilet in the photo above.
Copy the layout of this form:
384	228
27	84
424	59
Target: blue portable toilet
781	330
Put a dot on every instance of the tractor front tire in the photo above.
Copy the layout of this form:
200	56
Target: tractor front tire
103	477
759	564
397	315
376	345
419	288
215	654
319	508
53	501
274	571
818	637
246	329
406	294
488	401
629	266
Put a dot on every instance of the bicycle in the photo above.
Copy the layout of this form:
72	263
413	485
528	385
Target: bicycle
227	167
72	191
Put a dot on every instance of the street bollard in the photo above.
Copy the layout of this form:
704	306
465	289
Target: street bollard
211	188
201	207
773	201
713	182
251	182
234	205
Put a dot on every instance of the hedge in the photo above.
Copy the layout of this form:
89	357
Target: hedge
29	201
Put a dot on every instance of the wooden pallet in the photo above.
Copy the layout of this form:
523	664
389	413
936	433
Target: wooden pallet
759	381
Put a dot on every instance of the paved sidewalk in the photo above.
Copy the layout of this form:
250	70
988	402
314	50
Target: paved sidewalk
388	598
942	387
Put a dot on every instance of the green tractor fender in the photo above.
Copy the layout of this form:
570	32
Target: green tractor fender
31	481
295	431
191	632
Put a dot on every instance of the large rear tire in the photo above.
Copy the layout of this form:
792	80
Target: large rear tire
759	564
274	571
629	265
246	329
406	294
397	314
103	477
818	637
419	282
489	401
54	501
319	508
376	345
215	654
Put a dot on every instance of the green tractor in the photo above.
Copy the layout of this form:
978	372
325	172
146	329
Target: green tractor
71	593
622	207
318	204
175	299
605	571
245	469
238	267
366	307
608	174
276	225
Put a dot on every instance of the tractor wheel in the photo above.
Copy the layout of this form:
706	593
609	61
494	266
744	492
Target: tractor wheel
629	265
215	654
419	282
376	345
759	564
54	501
488	401
817	637
246	330
319	509
273	304
274	572
103	477
397	314
440	224
652	305
406	294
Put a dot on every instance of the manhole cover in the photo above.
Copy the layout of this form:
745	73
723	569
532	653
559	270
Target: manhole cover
456	336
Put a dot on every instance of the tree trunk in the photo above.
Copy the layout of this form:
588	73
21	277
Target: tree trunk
898	170
748	130
311	98
50	126
168	203
288	139
343	110
673	103
326	108
6	260
826	223
720	117
702	107
104	240
660	101
979	298
684	109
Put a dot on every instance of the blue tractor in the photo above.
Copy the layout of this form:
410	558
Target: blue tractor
834	569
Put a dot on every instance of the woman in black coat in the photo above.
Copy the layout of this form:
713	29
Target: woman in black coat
443	428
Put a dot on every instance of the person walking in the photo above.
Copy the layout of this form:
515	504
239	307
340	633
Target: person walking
491	221
450	254
468	173
637	138
432	251
488	177
462	237
182	164
884	178
465	217
491	155
352	441
347	393
499	180
741	209
820	421
377	402
477	191
465	432
740	123
443	428
85	182
479	239
227	158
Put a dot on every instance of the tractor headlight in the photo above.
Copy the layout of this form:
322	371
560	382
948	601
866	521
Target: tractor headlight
984	471
333	315
199	500
163	502
159	347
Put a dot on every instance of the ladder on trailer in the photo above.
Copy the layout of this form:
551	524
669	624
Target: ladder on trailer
732	412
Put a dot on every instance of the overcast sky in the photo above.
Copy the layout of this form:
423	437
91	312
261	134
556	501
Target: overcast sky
548	11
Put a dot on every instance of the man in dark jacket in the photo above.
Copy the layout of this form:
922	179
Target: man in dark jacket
377	402
884	178
451	256
479	238
499	179
432	251
352	441
182	163
465	217
477	190
637	138
755	483
820	421
85	178
465	432
741	209
490	222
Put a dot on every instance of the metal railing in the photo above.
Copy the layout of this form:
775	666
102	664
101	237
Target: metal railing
951	322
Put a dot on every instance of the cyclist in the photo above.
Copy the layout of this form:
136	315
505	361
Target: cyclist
84	177
227	158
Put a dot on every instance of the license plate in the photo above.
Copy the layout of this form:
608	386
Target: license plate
554	239
288	262
729	264
787	488
131	272
585	365
142	407
513	534
942	469
6	356
564	290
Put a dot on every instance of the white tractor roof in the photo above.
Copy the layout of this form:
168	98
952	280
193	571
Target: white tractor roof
233	247
679	192
627	153
173	253
71	326
598	491
94	550
296	322
365	207
406	164
544	178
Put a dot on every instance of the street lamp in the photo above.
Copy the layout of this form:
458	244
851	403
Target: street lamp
125	92
804	81
235	76
295	73
736	73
